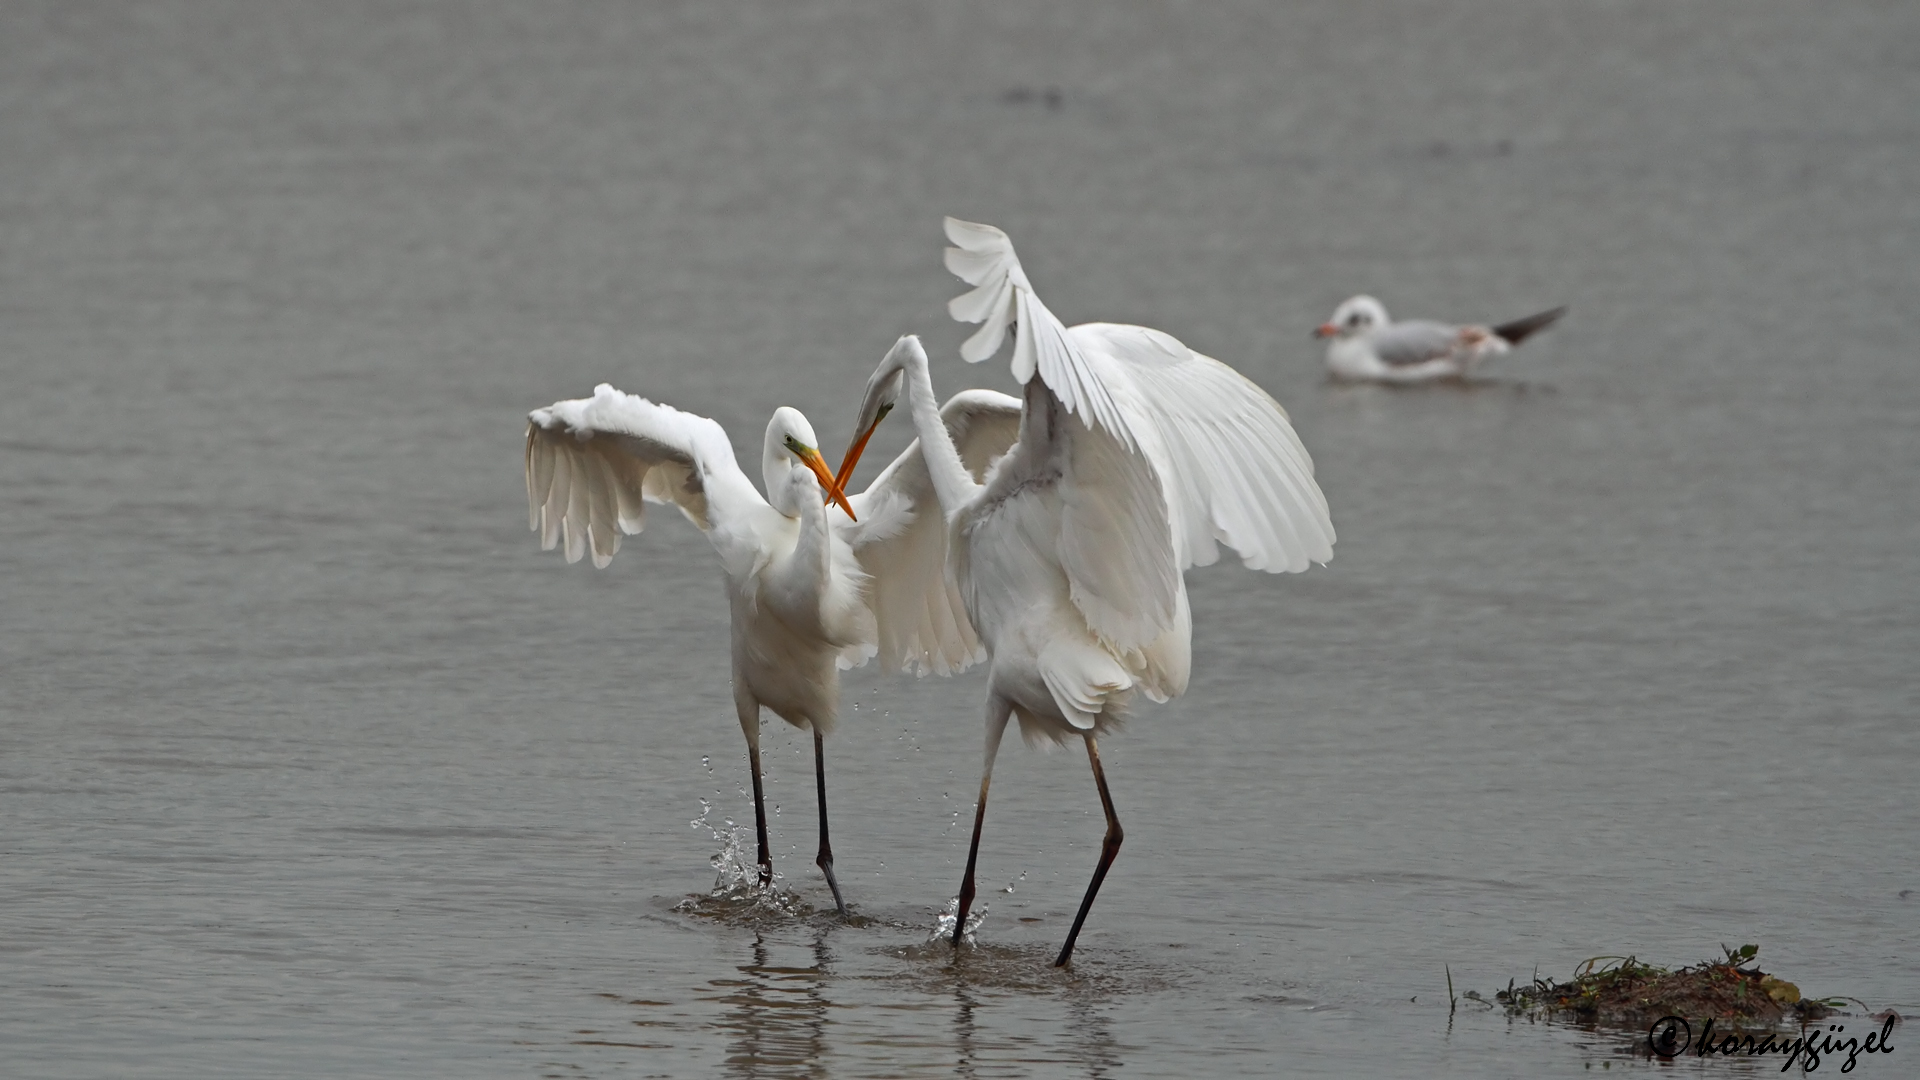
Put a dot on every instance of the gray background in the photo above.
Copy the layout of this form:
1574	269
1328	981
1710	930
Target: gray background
312	764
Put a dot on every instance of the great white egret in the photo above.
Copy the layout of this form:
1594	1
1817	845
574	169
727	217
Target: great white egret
1135	455
810	590
1366	345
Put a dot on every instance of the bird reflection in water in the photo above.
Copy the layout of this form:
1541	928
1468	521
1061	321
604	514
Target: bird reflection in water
963	1031
1093	1042
1086	1036
775	1014
777	1010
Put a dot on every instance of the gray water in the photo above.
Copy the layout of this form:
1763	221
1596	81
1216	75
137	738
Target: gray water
312	764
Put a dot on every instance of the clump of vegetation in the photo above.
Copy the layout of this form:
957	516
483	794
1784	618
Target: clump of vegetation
1622	990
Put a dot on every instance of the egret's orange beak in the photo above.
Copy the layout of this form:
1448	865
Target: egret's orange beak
859	447
1325	329
852	458
811	458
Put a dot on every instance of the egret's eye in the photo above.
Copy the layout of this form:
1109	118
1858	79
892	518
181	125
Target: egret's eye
884	410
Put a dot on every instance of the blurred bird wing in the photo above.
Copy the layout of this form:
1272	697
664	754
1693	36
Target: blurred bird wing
1227	461
901	541
1416	341
593	462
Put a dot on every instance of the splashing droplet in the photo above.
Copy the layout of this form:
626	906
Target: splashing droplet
943	925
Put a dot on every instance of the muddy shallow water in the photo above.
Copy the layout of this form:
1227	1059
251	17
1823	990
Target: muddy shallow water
312	764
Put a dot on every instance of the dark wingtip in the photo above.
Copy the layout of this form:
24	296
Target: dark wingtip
1520	330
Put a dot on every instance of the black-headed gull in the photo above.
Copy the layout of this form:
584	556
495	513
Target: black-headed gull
1366	345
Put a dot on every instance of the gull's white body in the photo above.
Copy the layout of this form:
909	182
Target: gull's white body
1135	457
1367	346
810	590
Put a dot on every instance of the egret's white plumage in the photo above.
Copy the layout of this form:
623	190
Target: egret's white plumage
1136	458
810	589
1365	345
901	540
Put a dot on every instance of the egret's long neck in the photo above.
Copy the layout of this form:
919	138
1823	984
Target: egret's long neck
951	480
813	549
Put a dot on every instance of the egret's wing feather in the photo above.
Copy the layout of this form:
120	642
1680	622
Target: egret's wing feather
1071	499
985	258
984	424
1228	462
593	462
1115	544
901	541
1230	465
1415	341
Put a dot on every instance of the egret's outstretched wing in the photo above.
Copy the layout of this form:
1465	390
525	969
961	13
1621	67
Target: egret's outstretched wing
1229	462
1415	341
901	541
1002	296
1229	465
592	463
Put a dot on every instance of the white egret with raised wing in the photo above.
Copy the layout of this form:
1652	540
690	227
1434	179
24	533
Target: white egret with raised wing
810	590
1136	457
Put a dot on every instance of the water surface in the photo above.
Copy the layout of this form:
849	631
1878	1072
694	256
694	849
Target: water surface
312	764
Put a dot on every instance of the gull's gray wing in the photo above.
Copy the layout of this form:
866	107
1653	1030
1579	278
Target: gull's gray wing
1415	341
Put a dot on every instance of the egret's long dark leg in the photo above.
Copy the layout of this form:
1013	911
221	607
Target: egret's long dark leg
973	856
1109	847
760	814
749	712
997	713
825	861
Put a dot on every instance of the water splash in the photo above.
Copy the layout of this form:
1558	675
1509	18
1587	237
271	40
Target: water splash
943	926
736	871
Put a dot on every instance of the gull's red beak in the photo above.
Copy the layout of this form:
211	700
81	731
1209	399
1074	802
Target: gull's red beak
1325	329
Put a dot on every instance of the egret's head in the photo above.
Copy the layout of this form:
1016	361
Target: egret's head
887	381
883	393
1356	316
790	448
